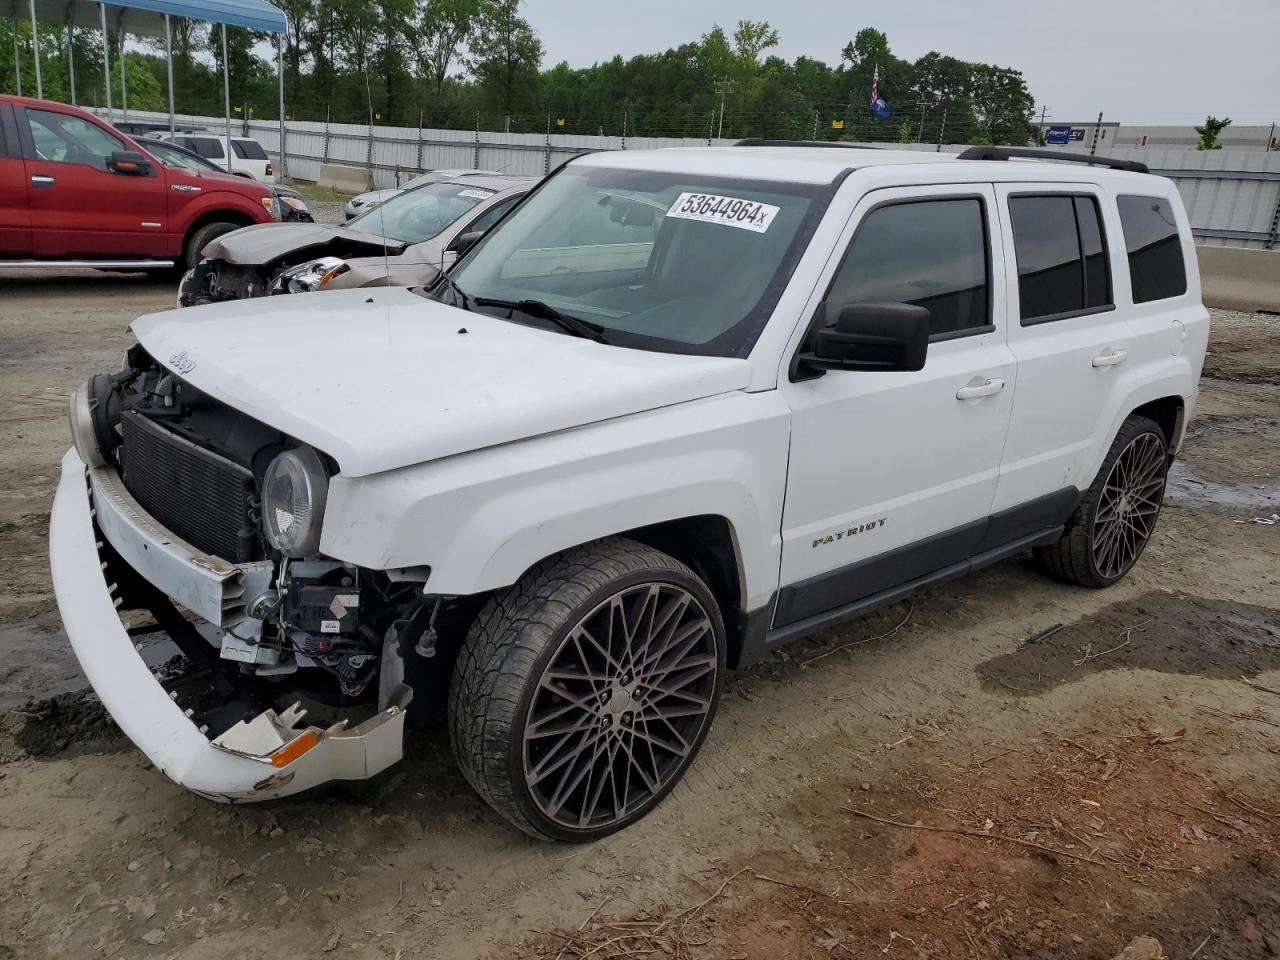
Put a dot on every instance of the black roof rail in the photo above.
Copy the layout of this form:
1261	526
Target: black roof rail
1028	153
838	144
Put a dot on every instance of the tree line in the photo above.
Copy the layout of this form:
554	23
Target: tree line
467	63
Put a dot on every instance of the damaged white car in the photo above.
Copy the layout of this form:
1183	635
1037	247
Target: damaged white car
678	408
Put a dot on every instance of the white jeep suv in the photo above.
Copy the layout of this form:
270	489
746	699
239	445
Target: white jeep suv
679	407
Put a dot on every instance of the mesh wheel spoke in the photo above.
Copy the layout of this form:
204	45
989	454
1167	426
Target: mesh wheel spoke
620	705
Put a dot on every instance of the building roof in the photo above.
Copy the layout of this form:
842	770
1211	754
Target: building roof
146	17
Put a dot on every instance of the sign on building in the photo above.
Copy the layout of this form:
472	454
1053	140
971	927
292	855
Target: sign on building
1060	135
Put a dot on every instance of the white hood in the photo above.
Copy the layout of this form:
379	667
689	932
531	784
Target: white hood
394	382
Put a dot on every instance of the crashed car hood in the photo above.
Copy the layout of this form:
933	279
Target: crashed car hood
384	379
265	242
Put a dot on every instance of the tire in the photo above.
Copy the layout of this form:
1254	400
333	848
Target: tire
1117	514
199	239
539	686
193	288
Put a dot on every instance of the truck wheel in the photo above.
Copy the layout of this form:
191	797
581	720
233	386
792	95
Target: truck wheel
1117	514
198	240
581	695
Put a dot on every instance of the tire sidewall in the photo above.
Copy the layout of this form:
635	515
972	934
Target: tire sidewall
202	238
1128	434
515	747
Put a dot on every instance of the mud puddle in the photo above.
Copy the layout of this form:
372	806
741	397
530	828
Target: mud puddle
1167	632
1185	487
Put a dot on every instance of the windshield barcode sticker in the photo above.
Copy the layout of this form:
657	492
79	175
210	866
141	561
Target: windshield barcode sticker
476	194
729	211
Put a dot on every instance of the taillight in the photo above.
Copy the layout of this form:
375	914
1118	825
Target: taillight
268	169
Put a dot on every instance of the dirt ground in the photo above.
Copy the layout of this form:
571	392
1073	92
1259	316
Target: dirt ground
1001	767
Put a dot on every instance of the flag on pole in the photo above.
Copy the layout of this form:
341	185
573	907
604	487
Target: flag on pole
878	106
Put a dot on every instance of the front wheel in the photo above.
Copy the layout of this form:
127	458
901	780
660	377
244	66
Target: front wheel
581	695
1117	514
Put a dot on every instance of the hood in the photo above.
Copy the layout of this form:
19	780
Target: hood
264	243
380	379
376	196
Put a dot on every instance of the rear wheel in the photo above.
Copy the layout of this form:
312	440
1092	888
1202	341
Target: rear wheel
582	694
1117	515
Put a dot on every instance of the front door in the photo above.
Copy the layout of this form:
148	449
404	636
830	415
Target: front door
892	475
79	207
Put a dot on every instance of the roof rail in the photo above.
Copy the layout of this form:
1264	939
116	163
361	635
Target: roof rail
838	144
1027	153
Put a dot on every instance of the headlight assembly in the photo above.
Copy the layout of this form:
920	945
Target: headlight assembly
294	491
309	276
95	409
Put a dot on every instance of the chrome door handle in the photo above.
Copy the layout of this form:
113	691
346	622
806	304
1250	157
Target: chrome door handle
976	391
42	180
1110	358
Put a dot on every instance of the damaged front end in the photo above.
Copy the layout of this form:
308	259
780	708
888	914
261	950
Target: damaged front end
294	668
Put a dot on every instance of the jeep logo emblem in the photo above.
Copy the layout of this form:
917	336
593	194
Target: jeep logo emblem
182	363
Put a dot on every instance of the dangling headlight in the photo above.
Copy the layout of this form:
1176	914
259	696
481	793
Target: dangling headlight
309	276
294	490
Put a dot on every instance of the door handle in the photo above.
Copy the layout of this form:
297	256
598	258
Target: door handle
1110	358
976	391
42	180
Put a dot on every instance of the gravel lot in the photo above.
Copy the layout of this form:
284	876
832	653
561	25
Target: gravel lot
923	782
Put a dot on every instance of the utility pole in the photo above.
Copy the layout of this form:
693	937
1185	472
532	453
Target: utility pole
1043	111
942	128
722	87
624	126
1093	147
815	126
1271	137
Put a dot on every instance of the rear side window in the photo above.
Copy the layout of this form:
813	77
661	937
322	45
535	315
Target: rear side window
248	150
1156	267
1062	257
931	253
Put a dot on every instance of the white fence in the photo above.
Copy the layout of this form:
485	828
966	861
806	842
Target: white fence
1232	196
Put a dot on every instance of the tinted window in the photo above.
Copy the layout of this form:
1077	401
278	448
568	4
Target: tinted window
248	150
1062	256
929	253
208	147
63	138
492	215
1156	268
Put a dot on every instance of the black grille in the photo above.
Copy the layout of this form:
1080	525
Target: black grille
200	496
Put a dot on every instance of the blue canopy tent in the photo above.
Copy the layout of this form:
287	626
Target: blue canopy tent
150	18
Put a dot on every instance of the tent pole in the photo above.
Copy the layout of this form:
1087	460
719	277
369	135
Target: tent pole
35	51
17	56
71	59
124	87
226	91
168	56
280	69
106	59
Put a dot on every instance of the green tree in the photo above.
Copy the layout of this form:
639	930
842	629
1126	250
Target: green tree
1209	133
505	56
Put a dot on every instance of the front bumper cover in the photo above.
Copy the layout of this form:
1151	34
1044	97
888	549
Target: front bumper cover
235	768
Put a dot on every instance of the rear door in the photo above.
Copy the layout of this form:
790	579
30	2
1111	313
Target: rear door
1070	341
79	207
15	220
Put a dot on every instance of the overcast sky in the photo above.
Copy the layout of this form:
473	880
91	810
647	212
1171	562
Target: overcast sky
1139	61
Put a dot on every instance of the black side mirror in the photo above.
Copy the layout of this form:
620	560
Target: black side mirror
871	336
465	241
129	162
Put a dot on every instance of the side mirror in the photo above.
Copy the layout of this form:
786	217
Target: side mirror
871	336
465	241
129	162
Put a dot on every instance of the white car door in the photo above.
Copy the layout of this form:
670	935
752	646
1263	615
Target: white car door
1071	343
891	474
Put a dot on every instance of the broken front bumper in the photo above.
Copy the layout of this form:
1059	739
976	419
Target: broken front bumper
258	760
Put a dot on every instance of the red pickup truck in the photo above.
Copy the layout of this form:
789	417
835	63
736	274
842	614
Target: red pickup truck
77	192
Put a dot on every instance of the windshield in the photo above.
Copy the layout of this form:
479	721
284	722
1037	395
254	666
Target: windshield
665	261
175	159
418	215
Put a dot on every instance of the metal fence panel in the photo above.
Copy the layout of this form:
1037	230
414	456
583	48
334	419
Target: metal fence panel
1232	196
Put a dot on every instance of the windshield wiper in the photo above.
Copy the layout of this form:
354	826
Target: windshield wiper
544	311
